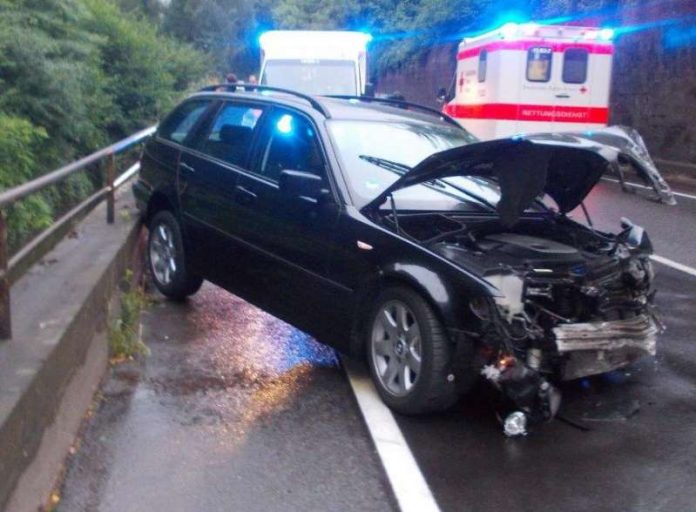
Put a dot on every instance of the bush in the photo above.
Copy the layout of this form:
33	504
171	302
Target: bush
74	76
19	142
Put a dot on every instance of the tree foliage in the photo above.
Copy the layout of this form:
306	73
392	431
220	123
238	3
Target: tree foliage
75	75
217	27
227	29
20	141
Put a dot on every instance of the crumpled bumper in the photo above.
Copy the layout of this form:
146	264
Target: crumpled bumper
598	347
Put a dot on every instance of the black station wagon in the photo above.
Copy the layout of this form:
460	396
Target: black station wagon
387	231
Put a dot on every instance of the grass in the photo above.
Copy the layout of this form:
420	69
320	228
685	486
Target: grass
124	334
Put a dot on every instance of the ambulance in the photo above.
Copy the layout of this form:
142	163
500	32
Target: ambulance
315	62
530	78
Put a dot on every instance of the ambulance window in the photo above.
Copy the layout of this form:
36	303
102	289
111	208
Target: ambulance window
482	64
575	65
539	64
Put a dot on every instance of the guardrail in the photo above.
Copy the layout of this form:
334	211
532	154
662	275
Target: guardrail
675	163
13	268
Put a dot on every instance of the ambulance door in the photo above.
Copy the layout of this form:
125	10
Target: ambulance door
508	91
599	84
538	94
571	89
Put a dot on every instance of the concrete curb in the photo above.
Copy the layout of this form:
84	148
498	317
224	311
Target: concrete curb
51	368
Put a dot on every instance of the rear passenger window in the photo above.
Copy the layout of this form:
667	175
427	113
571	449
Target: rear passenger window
575	65
482	65
292	145
539	63
230	137
179	123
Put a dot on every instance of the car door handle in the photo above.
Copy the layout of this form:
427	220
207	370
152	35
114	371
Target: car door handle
244	196
563	96
186	167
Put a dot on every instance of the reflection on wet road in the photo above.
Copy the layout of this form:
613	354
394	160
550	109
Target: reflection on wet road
233	410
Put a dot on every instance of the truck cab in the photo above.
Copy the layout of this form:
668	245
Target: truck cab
315	62
529	78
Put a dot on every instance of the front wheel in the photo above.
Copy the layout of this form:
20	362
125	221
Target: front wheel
409	354
167	259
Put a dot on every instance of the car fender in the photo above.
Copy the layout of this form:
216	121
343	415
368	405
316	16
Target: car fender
447	290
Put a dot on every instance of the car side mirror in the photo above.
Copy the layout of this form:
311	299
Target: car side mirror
300	185
370	90
441	95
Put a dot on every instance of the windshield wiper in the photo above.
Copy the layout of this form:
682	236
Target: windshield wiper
398	168
386	164
402	169
470	194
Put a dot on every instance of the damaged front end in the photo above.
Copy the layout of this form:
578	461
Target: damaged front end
563	312
571	301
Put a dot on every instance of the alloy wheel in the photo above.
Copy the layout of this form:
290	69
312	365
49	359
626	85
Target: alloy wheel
163	254
396	347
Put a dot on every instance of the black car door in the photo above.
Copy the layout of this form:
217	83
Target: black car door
208	175
161	155
293	240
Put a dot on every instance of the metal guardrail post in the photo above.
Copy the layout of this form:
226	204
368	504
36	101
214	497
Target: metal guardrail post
111	193
5	316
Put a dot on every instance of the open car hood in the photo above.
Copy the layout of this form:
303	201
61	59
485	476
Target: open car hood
565	168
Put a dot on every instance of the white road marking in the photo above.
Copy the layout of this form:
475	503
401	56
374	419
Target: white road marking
407	482
674	264
637	185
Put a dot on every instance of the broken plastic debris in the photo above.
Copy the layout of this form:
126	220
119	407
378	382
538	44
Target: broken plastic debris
515	424
491	372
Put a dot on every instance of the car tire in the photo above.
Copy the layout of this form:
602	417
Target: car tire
409	354
167	259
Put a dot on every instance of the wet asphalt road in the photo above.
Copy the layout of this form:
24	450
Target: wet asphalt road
235	410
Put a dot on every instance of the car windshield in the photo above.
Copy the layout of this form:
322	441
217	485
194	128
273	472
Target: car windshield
310	76
375	154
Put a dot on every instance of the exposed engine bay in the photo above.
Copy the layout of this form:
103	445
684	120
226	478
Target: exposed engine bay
573	301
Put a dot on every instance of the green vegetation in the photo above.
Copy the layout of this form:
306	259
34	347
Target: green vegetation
124	334
76	75
19	143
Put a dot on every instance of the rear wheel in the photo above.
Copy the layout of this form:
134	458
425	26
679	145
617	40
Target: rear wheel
167	259
409	354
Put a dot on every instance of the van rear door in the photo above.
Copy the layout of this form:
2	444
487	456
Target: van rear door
571	92
537	95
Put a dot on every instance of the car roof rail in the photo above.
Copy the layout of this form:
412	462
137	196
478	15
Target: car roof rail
316	105
399	103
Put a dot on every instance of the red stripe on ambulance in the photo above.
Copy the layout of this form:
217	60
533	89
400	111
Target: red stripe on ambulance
520	112
592	48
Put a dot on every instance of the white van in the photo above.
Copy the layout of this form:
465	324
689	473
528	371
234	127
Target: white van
529	78
315	62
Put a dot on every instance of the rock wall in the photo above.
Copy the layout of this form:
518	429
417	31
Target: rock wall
654	75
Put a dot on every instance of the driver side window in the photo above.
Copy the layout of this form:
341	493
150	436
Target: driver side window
292	145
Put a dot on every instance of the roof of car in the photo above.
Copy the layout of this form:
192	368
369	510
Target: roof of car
345	108
370	109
